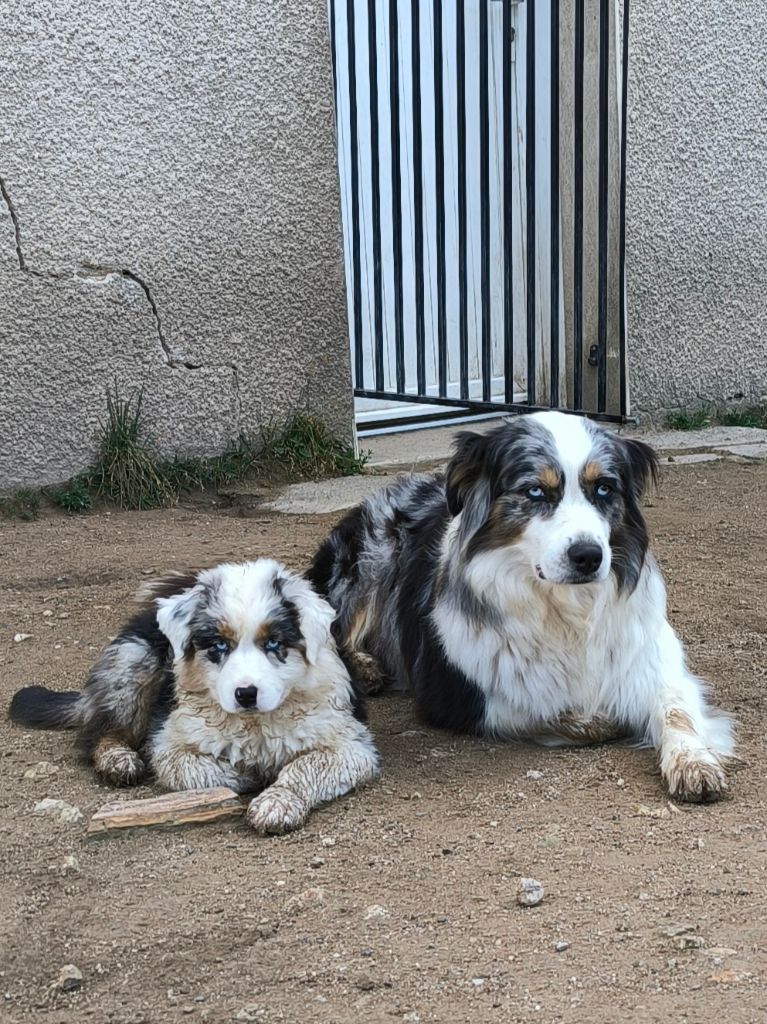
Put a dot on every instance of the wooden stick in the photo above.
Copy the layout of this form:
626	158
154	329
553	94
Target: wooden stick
190	807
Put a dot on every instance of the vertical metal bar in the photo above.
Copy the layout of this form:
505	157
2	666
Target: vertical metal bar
439	150
604	165
359	372
420	327
375	182
508	208
622	229
554	79
396	180
462	208
578	210
530	181
484	156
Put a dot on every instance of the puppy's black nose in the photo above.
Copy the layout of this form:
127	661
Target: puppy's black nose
585	557
246	696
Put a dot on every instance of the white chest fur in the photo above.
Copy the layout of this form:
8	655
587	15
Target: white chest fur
557	650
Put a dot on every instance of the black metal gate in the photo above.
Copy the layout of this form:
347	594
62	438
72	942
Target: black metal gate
484	272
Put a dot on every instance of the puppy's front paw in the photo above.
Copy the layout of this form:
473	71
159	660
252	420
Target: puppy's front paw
695	776
277	810
119	765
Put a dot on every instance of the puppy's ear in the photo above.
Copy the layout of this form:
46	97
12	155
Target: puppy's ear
642	463
315	614
175	614
465	468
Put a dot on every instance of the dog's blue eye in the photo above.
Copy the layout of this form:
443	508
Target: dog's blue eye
604	490
221	647
272	645
535	493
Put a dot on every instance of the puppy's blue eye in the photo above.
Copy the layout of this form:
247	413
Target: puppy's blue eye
272	645
535	493
604	490
221	647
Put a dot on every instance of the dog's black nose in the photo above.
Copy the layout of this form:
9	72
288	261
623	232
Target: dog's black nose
585	557
246	696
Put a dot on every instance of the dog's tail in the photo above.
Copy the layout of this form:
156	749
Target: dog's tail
40	708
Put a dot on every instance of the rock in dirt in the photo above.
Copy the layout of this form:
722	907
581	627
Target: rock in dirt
70	865
41	770
688	942
304	900
560	947
375	910
70	979
21	637
250	1013
58	809
529	892
729	977
652	812
534	775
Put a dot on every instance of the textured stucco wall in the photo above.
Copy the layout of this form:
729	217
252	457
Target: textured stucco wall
191	145
697	203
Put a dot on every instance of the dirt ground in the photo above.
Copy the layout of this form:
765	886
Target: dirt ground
406	904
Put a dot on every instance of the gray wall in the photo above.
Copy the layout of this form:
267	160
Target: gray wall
170	167
697	203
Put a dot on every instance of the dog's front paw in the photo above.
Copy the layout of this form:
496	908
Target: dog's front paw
119	765
695	776
277	810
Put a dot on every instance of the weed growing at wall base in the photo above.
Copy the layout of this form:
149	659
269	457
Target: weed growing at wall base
23	504
747	416
128	474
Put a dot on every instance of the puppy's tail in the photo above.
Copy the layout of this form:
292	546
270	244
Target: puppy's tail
40	708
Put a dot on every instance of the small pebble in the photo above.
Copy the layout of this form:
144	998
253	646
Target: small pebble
304	900
560	947
20	637
41	770
375	910
533	774
316	861
529	892
70	978
58	809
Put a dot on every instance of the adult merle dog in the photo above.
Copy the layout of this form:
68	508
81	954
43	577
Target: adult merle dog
516	596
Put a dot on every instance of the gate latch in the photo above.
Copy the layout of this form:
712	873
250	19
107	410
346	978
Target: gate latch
594	355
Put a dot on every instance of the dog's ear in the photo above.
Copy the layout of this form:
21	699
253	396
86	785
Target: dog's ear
314	612
642	465
465	468
175	614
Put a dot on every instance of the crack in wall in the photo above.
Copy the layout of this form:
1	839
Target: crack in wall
95	271
14	221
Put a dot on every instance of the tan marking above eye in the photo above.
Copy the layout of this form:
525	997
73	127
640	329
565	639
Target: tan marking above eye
549	478
263	633
226	632
591	472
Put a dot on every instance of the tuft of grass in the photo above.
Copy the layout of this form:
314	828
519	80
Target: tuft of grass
74	496
752	416
126	472
22	504
306	450
684	420
187	473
